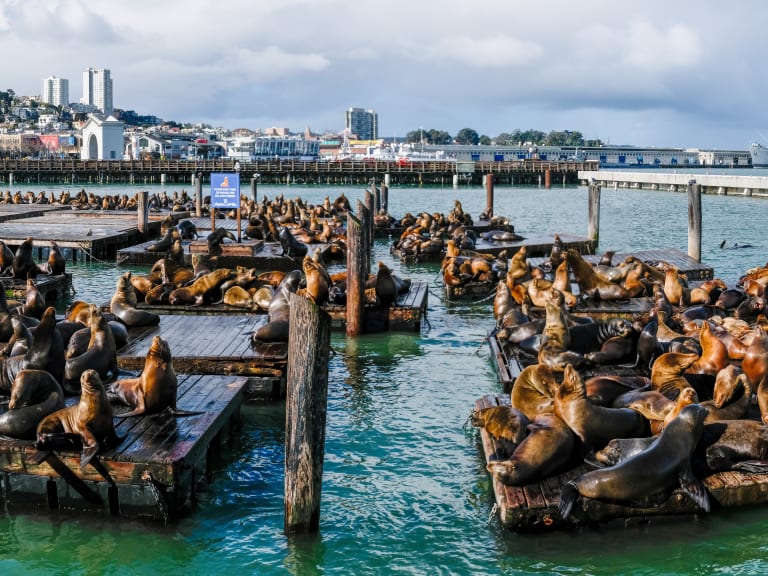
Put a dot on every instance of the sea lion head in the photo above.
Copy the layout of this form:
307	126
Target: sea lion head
691	418
572	384
160	349
90	382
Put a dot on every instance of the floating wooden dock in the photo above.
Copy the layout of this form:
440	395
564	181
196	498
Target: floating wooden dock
214	345
677	181
535	506
52	287
479	227
405	315
152	473
539	245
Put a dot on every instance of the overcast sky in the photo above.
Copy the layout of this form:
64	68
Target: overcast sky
654	73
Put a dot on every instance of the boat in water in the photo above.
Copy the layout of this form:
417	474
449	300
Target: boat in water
759	154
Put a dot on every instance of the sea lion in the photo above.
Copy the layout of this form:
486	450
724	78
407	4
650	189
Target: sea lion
34	395
164	244
591	285
100	356
503	422
547	448
291	246
239	297
595	425
533	389
154	390
714	353
34	303
187	230
6	259
123	305
279	312
20	340
56	263
755	366
90	419
216	238
386	287
606	388
317	280
24	265
731	397
204	289
667	372
663	465
263	296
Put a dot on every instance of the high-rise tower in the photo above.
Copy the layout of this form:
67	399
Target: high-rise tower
97	89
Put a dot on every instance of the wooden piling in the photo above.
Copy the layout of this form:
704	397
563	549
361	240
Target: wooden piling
364	215
376	199
198	197
369	204
253	188
305	413
489	195
356	274
143	212
694	220
593	230
547	179
385	198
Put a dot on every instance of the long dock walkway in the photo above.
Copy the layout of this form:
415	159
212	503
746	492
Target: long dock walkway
152	473
678	181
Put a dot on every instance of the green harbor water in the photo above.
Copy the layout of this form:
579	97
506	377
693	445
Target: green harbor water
405	489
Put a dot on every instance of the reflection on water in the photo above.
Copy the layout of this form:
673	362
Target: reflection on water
404	484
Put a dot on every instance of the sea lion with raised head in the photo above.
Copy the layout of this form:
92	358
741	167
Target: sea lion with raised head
24	265
123	305
667	372
100	356
533	391
34	395
90	420
663	465
279	312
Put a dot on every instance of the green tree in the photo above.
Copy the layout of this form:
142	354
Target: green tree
467	136
485	140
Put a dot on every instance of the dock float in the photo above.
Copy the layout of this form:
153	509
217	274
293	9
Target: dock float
723	184
534	507
152	474
214	345
52	287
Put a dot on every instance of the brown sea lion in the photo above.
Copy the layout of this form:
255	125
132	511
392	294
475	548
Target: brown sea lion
604	389
667	372
239	297
90	419
164	244
34	303
591	285
204	289
100	356
123	305
714	353
755	366
24	265
317	280
731	397
263	296
663	465
533	391
547	448
20	340
154	390
385	288
652	404
595	425
279	312
34	395
56	263
686	397
503	422
6	259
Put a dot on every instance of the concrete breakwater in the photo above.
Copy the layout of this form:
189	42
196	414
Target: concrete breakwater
723	184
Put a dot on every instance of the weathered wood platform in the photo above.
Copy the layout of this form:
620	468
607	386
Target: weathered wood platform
538	245
51	287
534	506
479	226
152	473
405	316
96	233
214	345
16	211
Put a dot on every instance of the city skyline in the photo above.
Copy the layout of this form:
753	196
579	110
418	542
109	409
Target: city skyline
669	75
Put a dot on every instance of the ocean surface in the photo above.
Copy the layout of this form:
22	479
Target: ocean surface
405	489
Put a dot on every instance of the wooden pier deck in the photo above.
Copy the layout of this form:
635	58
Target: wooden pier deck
214	345
479	226
534	507
677	181
52	287
151	474
10	212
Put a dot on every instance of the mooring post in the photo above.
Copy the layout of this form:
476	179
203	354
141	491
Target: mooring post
364	216
253	188
547	179
593	230
694	220
385	198
309	338
356	275
376	199
198	197
143	212
370	206
489	195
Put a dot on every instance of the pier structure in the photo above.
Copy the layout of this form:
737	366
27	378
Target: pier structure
723	184
19	173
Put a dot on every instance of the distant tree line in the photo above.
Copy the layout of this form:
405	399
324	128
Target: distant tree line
514	138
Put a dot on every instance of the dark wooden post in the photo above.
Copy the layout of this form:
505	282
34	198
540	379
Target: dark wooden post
253	188
385	198
198	197
694	220
593	230
309	339
376	199
143	210
369	204
364	216
356	274
489	195
547	179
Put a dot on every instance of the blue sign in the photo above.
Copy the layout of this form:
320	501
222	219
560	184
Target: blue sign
225	190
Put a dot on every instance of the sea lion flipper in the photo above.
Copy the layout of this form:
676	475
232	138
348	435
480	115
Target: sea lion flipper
591	460
752	466
568	496
135	412
87	455
177	412
694	488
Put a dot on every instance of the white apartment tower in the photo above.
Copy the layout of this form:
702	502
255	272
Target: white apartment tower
55	91
97	89
362	123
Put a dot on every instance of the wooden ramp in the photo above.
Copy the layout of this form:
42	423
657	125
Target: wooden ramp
152	473
534	506
213	345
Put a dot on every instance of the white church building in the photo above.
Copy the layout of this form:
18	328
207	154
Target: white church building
102	138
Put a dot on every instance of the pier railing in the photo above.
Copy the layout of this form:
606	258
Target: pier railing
18	171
